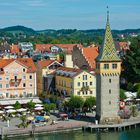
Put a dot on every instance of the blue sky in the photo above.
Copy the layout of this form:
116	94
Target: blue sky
73	14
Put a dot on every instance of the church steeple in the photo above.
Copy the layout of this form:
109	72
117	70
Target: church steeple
108	50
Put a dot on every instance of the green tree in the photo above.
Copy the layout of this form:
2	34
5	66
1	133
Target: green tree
76	102
122	94
17	105
23	123
90	102
31	105
47	107
131	62
138	93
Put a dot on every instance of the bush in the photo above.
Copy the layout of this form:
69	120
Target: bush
17	105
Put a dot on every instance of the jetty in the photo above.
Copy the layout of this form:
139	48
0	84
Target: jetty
126	125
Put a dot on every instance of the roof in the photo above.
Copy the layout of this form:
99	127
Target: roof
69	72
124	45
90	55
46	63
15	49
46	47
108	50
28	62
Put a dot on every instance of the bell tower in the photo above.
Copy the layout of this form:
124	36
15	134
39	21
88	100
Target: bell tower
108	76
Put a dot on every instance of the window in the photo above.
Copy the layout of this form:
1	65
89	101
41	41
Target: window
24	85
109	91
64	83
0	85
90	83
0	78
30	77
86	92
78	93
78	84
109	80
7	94
24	93
7	85
31	85
24	77
7	78
109	102
84	77
71	85
106	66
114	66
90	92
15	78
23	70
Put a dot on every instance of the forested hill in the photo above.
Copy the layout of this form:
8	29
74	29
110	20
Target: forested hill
15	34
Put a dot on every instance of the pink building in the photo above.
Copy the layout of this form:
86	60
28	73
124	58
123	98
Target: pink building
17	78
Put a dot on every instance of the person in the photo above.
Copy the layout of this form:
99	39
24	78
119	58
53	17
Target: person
53	122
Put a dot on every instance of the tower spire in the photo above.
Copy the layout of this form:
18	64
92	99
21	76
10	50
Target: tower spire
108	50
107	14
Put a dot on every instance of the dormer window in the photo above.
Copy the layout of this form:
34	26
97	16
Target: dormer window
23	69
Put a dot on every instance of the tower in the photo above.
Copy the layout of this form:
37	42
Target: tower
108	72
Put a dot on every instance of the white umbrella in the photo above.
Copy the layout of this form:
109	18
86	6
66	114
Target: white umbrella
21	110
1	112
9	107
38	105
39	108
11	111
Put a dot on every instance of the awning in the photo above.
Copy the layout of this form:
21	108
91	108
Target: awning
20	100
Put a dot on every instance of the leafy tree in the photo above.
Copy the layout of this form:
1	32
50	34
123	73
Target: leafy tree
122	94
90	102
131	62
31	105
47	107
23	123
76	102
17	105
138	93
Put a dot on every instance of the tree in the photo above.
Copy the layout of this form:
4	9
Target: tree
17	105
131	62
23	123
76	102
90	102
52	106
122	94
47	107
138	93
31	104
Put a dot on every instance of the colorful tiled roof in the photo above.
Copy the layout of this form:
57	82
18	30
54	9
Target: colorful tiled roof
27	62
108	51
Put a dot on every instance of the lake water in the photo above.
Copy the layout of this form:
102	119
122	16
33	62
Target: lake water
79	135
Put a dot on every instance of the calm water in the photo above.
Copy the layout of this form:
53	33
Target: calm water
79	135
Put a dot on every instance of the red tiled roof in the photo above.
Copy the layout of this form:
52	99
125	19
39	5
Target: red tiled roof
124	45
27	62
15	49
70	69
90	55
46	47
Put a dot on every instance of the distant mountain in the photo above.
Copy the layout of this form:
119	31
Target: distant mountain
19	29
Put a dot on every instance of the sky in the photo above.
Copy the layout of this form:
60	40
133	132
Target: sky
70	14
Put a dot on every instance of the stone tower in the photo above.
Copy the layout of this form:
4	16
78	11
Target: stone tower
108	74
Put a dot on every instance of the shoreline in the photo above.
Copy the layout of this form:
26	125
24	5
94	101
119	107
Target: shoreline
66	126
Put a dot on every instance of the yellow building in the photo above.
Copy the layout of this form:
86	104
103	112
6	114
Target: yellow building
44	77
71	81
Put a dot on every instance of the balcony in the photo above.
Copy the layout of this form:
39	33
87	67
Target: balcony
14	82
85	88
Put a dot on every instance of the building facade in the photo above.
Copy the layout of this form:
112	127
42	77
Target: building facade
17	78
45	78
108	73
71	81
